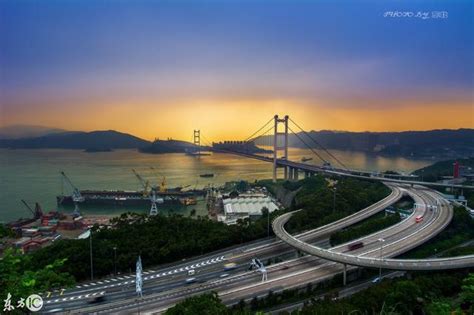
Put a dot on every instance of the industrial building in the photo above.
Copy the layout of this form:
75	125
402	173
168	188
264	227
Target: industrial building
245	206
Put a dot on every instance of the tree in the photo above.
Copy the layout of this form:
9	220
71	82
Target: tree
206	304
467	292
18	279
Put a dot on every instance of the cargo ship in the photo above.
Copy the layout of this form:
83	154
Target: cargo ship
130	198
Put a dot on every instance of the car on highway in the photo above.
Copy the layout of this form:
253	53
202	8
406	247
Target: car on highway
191	272
355	246
418	219
224	275
98	299
191	280
230	266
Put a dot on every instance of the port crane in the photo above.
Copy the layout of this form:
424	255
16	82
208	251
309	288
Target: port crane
145	183
147	191
37	213
163	181
76	194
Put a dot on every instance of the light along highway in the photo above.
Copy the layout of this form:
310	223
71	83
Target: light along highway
164	291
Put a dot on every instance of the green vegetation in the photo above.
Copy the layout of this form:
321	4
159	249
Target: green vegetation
316	200
368	226
164	239
459	251
435	171
159	239
20	277
460	230
426	293
5	231
433	293
206	304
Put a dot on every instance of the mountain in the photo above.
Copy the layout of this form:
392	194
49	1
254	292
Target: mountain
98	140
26	131
415	144
169	146
438	170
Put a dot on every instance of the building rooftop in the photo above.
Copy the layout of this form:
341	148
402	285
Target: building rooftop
248	205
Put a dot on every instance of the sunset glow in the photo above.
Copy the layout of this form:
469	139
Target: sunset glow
158	70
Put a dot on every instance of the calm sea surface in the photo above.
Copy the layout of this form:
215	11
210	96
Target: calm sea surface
33	175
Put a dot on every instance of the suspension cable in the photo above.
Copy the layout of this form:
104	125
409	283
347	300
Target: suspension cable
320	145
262	134
256	132
312	150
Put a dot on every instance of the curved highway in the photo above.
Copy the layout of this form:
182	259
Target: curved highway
165	279
162	289
441	212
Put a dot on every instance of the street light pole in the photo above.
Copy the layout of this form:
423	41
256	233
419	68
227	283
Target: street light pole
268	223
90	247
115	260
381	240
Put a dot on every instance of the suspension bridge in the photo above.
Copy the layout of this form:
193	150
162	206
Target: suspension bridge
277	130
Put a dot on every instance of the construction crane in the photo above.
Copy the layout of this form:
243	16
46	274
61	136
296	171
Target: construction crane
145	183
162	187
76	194
37	213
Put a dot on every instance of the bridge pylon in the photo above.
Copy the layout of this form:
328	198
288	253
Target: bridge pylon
197	140
276	144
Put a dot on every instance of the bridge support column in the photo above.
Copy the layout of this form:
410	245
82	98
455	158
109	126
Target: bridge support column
344	276
277	147
291	173
286	172
295	173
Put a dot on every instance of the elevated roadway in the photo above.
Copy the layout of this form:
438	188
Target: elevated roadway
164	291
212	264
346	173
442	216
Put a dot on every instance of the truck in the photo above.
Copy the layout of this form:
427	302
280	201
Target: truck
355	246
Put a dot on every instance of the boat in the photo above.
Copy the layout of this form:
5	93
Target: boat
188	201
207	175
305	159
130	198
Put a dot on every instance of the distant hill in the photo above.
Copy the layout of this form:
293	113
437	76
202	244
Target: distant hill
439	169
168	146
435	144
26	131
78	140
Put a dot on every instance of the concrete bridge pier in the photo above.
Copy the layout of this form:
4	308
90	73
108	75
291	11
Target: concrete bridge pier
344	276
295	173
291	172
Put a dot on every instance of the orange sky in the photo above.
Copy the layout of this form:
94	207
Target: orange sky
221	119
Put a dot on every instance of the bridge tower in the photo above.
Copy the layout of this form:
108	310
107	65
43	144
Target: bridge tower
197	140
276	144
